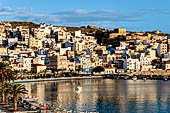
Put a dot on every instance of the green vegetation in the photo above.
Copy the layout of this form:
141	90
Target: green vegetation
8	87
15	91
103	38
4	91
78	69
98	69
115	42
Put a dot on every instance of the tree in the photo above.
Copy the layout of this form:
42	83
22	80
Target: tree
9	75
5	90
16	90
15	72
2	90
98	69
3	68
78	69
6	74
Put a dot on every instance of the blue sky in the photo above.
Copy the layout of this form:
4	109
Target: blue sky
135	15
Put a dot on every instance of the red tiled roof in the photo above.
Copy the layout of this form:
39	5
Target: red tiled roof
168	62
16	63
17	47
34	47
108	67
37	65
26	53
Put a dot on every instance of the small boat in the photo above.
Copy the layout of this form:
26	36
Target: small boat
126	77
44	107
58	109
31	104
134	78
165	79
69	111
30	98
144	79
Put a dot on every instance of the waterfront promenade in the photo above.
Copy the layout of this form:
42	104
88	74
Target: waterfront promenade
54	79
147	74
9	109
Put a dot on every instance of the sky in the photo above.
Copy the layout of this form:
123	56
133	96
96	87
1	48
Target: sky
134	15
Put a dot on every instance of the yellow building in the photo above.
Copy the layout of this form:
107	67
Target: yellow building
163	48
146	67
3	51
118	32
137	37
38	67
70	54
62	62
167	65
140	47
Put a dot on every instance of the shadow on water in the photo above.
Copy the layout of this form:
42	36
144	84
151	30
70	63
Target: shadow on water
105	95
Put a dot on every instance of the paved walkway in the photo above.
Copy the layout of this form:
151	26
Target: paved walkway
8	109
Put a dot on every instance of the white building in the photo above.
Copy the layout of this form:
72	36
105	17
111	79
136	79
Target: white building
108	70
131	65
144	60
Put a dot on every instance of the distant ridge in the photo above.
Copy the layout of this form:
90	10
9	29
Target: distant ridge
21	23
84	29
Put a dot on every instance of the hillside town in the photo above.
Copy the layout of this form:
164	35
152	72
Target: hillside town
53	49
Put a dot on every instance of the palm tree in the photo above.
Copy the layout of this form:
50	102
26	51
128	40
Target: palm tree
3	68
16	90
2	90
15	72
9	75
5	90
6	74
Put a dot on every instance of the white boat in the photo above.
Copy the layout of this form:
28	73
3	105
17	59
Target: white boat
30	98
134	78
144	79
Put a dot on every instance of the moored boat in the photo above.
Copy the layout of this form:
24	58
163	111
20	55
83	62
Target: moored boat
144	79
134	78
44	107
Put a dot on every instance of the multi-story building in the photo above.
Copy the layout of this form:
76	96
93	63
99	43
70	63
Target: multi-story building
131	64
62	63
162	49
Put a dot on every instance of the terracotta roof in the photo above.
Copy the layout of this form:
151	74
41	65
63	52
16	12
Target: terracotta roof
37	65
17	47
168	62
26	53
34	47
16	63
108	67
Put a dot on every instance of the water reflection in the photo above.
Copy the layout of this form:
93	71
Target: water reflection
105	95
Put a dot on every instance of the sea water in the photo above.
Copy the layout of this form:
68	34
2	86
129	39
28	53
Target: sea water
104	95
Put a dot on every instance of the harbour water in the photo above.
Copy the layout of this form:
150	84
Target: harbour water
104	95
